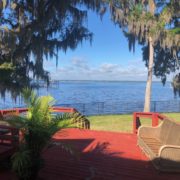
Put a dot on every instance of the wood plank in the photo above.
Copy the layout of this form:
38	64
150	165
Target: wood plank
101	155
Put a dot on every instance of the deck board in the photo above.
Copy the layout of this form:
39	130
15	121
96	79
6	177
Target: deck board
103	155
99	155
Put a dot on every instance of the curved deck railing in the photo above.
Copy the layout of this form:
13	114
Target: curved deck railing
82	121
155	117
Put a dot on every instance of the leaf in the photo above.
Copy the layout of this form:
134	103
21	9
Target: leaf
7	66
33	31
13	5
21	163
4	3
16	121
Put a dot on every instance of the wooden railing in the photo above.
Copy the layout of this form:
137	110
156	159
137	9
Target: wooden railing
155	117
82	122
9	135
21	110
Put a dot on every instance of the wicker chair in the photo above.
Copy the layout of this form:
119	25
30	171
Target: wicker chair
162	145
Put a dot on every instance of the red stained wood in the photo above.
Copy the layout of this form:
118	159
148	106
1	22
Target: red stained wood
22	110
155	117
99	155
102	155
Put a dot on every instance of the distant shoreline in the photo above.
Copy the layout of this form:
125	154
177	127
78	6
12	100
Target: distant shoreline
103	81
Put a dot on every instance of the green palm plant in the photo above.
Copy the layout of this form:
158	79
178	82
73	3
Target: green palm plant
37	127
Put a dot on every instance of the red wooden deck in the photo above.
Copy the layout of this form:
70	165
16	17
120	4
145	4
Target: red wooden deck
100	155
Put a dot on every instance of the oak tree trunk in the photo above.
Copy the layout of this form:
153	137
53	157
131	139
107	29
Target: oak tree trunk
147	103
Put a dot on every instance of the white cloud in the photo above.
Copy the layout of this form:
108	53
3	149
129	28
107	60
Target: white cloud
79	63
108	68
79	69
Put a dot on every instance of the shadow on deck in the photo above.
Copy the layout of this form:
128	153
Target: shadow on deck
99	155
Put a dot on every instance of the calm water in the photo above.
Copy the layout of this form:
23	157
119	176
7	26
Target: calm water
70	92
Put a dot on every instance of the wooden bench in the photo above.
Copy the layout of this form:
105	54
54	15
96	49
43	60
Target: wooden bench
162	145
9	140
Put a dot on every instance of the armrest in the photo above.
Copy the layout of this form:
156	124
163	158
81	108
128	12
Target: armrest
170	152
148	131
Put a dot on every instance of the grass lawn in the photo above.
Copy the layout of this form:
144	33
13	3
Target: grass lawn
121	123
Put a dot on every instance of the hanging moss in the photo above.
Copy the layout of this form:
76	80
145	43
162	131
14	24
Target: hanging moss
34	31
176	84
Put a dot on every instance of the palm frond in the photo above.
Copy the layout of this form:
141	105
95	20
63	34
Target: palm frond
22	163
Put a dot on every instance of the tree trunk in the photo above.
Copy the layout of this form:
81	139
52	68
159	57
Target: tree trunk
147	103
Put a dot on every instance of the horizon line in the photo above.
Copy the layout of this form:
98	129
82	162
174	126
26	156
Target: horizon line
106	80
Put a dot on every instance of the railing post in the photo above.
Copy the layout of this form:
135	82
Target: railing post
98	107
134	123
155	119
102	107
83	109
17	111
1	114
154	106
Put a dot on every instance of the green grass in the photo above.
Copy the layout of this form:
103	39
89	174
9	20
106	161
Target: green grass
175	116
121	123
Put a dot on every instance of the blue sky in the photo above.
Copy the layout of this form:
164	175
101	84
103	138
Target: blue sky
108	58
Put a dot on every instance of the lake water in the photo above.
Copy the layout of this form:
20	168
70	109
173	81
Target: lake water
74	92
